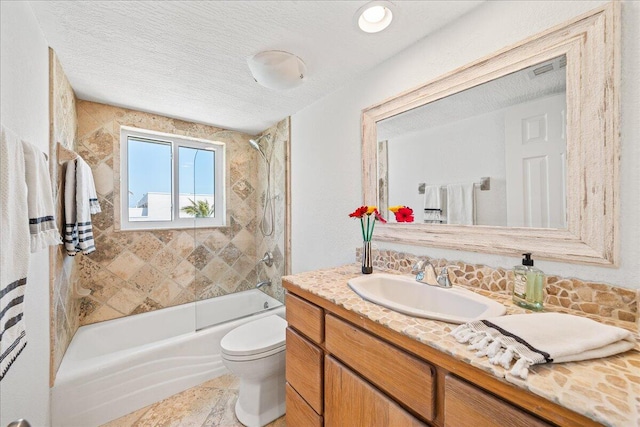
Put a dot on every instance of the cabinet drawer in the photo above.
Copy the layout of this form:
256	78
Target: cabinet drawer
305	318
465	404
304	369
352	402
402	376
298	412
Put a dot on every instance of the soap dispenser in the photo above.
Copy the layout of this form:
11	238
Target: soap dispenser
528	285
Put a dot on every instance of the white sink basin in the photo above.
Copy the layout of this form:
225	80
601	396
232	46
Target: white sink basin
405	295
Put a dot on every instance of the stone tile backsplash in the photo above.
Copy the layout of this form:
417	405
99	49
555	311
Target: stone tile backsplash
569	293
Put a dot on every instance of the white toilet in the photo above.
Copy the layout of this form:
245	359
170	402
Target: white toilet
255	352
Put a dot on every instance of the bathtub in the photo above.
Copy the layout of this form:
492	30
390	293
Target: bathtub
116	367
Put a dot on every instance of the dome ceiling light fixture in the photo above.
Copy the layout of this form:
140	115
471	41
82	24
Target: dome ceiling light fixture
277	69
374	16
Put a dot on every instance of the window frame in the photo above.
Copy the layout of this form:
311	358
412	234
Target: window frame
176	141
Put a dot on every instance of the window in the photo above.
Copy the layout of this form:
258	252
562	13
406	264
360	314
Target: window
170	181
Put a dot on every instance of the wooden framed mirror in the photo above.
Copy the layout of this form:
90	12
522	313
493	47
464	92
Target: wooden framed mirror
588	51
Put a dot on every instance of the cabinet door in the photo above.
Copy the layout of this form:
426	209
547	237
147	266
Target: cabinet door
465	404
304	369
352	402
400	375
299	413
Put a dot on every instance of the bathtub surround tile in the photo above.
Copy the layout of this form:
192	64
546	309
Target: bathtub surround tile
147	247
216	240
183	274
166	292
146	279
126	299
147	305
126	265
166	261
167	267
200	257
102	314
230	254
182	244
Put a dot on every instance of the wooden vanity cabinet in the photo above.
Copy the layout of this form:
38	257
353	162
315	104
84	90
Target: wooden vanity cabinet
304	363
464	402
344	370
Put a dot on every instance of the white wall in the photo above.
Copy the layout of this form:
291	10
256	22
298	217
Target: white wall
325	151
24	59
458	152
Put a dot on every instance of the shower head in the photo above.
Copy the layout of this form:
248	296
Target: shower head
255	145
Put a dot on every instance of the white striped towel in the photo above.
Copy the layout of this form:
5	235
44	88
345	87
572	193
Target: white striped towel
42	223
14	257
80	201
539	338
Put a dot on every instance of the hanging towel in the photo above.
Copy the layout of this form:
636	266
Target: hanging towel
542	338
432	204
42	224
80	201
14	256
461	204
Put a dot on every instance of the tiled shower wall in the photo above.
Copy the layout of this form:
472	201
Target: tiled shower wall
134	272
63	127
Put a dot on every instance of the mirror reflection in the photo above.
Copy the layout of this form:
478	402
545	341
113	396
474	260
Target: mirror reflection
491	155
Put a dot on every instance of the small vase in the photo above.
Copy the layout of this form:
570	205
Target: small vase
367	266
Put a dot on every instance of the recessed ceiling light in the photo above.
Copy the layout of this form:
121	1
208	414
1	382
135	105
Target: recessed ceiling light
374	16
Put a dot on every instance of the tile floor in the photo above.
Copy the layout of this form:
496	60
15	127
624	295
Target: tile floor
211	404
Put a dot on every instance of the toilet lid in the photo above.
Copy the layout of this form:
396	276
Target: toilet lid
255	337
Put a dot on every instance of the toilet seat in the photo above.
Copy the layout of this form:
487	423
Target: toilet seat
256	339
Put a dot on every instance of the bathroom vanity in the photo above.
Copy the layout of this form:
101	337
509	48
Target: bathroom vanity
351	362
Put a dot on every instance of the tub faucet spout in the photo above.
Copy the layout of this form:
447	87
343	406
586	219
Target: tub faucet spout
263	283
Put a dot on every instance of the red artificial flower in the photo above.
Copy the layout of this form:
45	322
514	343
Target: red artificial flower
360	212
379	217
404	214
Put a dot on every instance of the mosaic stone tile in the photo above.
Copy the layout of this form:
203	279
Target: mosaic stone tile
215	269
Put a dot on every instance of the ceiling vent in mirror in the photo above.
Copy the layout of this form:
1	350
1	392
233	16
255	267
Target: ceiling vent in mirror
554	64
374	16
276	69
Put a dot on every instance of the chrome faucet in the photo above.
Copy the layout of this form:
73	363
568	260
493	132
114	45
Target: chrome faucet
426	273
263	283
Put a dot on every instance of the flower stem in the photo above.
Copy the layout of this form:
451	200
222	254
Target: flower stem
364	236
368	237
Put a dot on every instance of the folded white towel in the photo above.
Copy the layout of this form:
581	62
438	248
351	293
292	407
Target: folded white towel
80	202
14	256
432	204
42	223
461	204
542	338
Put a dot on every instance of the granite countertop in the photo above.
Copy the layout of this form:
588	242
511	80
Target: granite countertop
605	390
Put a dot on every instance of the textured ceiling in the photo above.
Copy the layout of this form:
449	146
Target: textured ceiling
187	59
